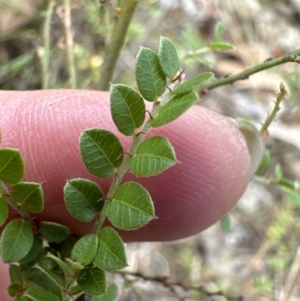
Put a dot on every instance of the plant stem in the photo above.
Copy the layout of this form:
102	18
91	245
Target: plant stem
117	39
69	43
46	54
280	97
289	57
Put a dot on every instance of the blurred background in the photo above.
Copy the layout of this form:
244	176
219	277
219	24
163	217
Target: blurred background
255	252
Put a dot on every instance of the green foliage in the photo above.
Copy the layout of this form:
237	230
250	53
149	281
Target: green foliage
53	232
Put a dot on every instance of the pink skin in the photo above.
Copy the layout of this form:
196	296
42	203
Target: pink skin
212	173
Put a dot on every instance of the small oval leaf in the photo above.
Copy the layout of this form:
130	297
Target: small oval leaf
149	75
11	166
53	232
111	252
16	241
36	293
92	281
30	196
131	208
220	46
3	211
174	108
34	251
127	108
101	152
153	156
193	83
168	58
83	199
85	249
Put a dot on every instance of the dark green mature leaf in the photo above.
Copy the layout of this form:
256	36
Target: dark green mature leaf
34	251
53	232
55	278
15	274
101	152
149	76
92	281
14	289
127	108
193	83
111	294
174	108
30	196
83	199
11	166
16	241
37	293
3	211
84	251
111	252
153	156
131	208
168	58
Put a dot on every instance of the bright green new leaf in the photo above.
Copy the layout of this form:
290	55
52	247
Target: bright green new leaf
111	252
110	295
55	278
264	162
34	251
83	199
220	46
225	223
29	195
127	108
37	293
101	152
67	270
15	274
85	249
278	172
168	58
174	108
131	208
219	30
92	281
16	241
11	166
3	211
153	156
149	76
293	196
193	83
53	232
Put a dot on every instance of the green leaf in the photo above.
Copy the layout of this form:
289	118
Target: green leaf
56	279
14	289
225	223
111	252
193	83
293	196
127	108
15	274
286	183
67	270
278	172
3	211
30	196
34	251
84	251
219	30
101	152
73	264
92	281
11	166
220	46
168	58
264	162
37	293
83	199
153	156
16	241
149	76
111	294
53	232
176	106
131	208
